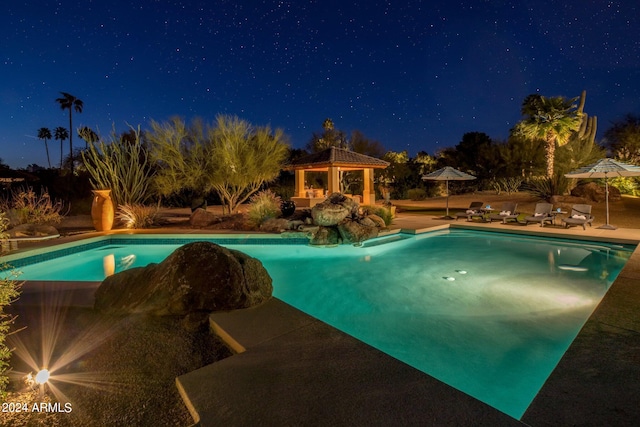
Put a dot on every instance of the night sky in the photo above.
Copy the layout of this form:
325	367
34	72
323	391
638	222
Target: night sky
413	75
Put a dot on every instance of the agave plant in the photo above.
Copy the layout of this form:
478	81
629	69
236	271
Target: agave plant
137	215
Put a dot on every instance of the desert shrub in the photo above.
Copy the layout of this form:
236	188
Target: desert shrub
381	211
284	191
495	185
9	291
508	185
262	206
230	157
512	184
433	189
120	166
24	206
542	188
4	224
417	194
626	185
545	188
137	215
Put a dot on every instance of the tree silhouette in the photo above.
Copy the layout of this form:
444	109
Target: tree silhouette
330	137
71	103
623	138
45	134
61	134
361	144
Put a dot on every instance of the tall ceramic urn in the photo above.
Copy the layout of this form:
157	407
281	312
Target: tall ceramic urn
102	210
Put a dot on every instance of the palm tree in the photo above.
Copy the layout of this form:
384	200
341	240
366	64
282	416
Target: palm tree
45	134
328	125
70	102
552	120
61	134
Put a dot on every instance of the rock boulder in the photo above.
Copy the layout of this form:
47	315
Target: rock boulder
357	231
591	191
325	236
333	210
201	218
197	277
379	222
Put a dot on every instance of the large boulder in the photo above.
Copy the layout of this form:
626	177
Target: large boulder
197	277
377	220
201	218
333	210
367	221
357	231
325	236
591	191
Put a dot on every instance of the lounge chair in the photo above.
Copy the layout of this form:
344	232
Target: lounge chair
580	215
542	214
508	211
475	210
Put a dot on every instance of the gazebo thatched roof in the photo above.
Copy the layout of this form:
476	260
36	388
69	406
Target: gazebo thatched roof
336	157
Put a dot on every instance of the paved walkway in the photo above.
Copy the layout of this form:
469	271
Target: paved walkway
291	369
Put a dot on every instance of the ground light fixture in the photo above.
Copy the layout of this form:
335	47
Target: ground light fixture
42	376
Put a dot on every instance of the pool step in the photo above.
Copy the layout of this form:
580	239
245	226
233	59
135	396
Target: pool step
384	240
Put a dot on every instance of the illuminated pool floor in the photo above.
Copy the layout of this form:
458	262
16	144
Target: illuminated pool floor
488	313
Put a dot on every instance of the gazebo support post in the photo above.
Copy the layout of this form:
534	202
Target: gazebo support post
333	186
299	178
369	192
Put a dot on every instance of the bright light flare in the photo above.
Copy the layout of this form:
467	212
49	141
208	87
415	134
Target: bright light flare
46	372
42	376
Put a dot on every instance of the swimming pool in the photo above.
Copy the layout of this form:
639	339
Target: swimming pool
488	313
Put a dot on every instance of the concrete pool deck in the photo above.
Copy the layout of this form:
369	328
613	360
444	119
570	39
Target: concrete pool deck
292	369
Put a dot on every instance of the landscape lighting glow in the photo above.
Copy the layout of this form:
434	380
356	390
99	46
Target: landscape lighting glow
42	376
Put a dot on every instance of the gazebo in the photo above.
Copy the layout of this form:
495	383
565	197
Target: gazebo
333	160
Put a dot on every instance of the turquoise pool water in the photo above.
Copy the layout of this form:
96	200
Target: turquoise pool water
490	314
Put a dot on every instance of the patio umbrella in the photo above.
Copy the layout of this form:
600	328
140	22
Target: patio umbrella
605	168
447	174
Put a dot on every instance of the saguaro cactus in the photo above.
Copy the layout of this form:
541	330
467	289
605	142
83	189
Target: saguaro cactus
589	125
